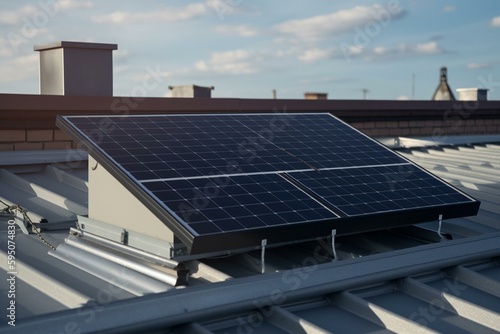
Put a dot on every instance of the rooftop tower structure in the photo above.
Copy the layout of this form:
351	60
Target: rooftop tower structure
443	91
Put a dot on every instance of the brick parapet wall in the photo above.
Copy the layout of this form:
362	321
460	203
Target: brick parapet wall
27	140
27	122
428	128
55	139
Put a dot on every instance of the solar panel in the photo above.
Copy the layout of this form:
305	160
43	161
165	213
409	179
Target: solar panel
227	181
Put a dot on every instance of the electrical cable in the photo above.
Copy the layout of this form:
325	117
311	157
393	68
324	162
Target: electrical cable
36	229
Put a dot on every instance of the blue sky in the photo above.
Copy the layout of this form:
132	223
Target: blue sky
247	48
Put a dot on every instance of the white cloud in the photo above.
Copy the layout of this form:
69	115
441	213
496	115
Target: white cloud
43	11
403	50
495	22
378	53
165	15
449	8
224	7
19	68
121	69
477	66
75	4
13	17
19	41
317	54
403	98
6	48
356	51
323	26
239	30
425	48
231	62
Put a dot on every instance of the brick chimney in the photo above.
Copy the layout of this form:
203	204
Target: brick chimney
76	68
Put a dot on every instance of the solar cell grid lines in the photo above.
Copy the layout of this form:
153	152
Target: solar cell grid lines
238	202
214	147
195	146
368	190
281	177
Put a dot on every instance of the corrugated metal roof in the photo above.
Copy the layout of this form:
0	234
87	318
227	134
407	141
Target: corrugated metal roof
476	170
402	280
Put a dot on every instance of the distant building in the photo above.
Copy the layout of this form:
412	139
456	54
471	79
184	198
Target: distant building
472	94
316	96
443	91
191	91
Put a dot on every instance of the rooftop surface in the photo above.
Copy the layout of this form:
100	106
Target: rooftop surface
408	279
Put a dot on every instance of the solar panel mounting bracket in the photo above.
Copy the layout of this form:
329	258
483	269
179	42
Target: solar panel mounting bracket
263	255
440	223
334	252
124	237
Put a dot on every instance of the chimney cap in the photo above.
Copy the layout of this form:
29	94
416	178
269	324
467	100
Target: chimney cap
74	45
472	89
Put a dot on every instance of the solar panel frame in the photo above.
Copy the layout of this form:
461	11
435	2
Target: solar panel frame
231	240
